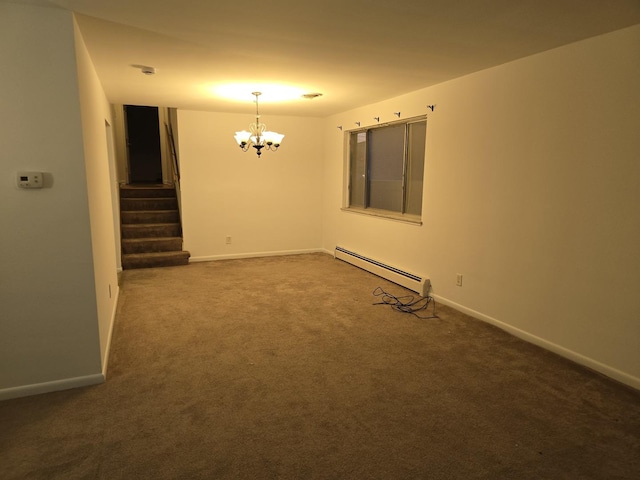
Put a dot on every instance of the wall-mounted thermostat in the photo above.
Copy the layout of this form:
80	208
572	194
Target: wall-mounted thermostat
29	179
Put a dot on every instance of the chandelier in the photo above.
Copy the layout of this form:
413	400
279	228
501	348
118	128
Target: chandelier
258	137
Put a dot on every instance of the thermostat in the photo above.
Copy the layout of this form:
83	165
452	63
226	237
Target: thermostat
29	179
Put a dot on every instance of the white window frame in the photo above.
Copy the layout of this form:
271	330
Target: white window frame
366	210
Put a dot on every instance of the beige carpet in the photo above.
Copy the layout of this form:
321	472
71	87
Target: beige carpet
281	368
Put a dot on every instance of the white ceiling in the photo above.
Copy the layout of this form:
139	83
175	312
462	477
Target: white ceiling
355	52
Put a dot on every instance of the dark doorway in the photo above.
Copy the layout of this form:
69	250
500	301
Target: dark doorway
143	144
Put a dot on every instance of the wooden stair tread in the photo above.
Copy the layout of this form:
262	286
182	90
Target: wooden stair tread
173	253
167	224
171	210
150	239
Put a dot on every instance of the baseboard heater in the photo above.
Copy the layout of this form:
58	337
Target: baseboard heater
408	280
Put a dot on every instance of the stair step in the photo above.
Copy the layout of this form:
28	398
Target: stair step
148	203
148	191
150	245
156	259
150	216
146	230
150	227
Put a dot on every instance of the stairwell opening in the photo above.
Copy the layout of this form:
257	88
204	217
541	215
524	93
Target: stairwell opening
143	142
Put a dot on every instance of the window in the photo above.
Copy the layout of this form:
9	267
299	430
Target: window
386	167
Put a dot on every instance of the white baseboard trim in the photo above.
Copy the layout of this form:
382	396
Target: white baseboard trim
107	350
46	387
578	358
232	256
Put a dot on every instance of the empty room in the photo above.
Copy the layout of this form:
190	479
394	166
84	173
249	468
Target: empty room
336	240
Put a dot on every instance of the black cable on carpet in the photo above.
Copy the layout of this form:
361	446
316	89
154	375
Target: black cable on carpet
407	303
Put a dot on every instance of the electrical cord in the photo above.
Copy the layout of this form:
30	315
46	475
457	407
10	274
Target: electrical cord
407	303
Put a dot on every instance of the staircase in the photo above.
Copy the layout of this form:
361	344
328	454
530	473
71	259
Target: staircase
150	227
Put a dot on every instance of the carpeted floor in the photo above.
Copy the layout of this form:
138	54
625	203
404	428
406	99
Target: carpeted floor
282	368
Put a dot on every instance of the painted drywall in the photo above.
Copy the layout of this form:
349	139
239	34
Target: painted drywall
532	188
266	205
48	328
102	192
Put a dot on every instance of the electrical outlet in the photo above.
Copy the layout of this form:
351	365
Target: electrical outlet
459	279
228	240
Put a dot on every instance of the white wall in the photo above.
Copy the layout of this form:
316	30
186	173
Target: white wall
49	328
120	142
266	205
532	192
102	191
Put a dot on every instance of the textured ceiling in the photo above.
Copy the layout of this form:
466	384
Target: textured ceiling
355	52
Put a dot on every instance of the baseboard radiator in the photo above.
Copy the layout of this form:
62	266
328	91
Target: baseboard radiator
408	280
